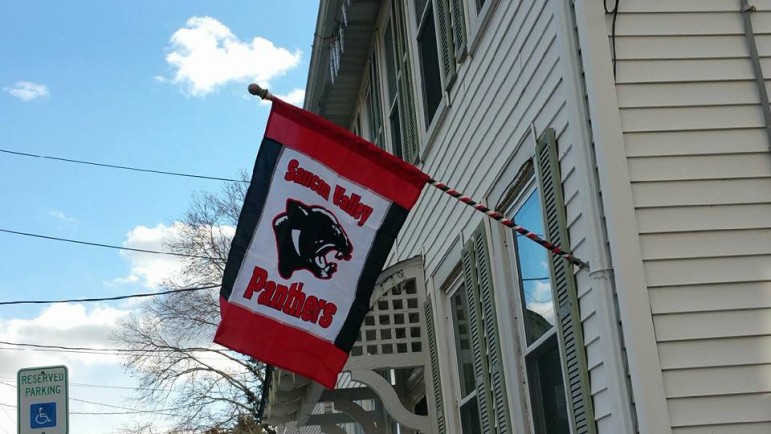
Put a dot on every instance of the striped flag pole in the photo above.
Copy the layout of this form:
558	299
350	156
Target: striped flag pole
507	222
256	90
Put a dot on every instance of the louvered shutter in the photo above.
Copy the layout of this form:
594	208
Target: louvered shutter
459	28
478	343
566	298
407	116
435	375
446	49
490	326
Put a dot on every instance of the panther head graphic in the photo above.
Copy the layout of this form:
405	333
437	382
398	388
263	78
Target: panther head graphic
305	235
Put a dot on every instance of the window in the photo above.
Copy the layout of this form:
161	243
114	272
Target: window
399	98
467	403
542	359
356	127
374	109
393	72
480	13
429	59
441	40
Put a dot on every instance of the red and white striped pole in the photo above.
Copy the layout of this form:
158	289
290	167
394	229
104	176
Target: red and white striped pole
507	222
256	90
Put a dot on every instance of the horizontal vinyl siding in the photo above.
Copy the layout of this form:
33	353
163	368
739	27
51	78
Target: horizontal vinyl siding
701	181
512	82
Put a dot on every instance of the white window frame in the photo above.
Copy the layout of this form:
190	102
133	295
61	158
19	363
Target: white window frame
450	289
426	132
477	21
385	93
526	350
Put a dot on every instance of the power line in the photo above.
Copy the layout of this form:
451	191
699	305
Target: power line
97	386
114	166
161	411
106	413
95	352
120	297
107	246
115	350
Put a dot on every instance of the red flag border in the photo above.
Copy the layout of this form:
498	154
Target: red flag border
287	347
316	137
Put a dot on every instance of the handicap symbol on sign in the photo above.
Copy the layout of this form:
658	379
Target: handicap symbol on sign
42	415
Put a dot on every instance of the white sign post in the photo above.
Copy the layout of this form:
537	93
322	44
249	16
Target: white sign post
43	402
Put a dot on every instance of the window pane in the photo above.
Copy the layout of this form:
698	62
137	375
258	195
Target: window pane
480	4
548	391
391	63
469	417
396	132
460	317
375	113
429	62
420	6
534	272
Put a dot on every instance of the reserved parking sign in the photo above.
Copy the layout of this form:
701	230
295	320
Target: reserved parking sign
43	400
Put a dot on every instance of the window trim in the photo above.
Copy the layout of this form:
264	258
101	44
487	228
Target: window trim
382	22
528	352
536	347
478	23
448	290
450	287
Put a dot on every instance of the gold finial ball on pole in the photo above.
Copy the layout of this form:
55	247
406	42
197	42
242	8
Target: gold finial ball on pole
256	90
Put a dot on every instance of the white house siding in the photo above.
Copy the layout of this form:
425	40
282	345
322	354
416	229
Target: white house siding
512	80
700	169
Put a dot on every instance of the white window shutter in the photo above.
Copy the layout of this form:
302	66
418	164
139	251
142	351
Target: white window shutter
577	386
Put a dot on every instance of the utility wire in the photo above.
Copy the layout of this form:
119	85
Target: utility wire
120	297
106	413
114	166
108	246
87	385
96	352
103	404
117	350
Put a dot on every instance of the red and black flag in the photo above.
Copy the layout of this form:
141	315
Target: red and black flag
320	216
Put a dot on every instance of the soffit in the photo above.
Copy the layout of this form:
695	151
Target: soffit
335	98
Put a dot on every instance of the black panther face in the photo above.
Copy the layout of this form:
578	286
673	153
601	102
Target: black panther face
305	235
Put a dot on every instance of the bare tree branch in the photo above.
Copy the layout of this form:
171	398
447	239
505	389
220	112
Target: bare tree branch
170	336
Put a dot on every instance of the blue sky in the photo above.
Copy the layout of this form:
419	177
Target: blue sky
151	84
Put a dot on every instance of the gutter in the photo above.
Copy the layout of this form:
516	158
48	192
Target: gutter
749	33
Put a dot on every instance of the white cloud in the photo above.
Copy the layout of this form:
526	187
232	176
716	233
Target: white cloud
27	90
151	269
296	97
60	215
539	299
71	325
206	54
